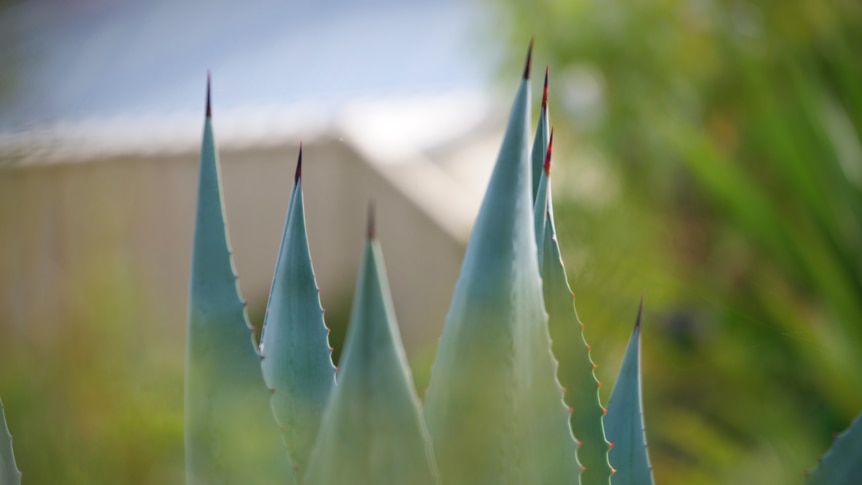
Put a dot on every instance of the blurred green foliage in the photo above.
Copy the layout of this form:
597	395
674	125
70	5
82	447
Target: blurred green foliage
97	395
730	136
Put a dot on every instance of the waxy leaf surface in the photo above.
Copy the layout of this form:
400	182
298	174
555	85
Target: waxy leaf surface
230	435
624	423
372	430
9	474
297	364
494	407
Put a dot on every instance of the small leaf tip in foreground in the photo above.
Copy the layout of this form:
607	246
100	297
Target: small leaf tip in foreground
640	313
545	91
372	229
529	64
298	174
209	112
548	153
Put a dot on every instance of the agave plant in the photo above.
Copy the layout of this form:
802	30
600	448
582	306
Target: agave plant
494	412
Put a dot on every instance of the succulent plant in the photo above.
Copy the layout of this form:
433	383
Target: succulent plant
494	412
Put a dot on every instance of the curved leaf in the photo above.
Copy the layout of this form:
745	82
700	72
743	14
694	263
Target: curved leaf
494	407
230	436
842	464
577	370
624	423
372	431
297	363
9	474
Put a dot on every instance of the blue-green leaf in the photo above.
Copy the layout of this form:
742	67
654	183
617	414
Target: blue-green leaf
577	368
494	407
9	474
297	363
541	140
372	431
842	464
624	423
542	200
230	436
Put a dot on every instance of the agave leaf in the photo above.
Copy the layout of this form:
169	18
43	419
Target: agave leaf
297	363
541	140
372	431
494	407
577	370
541	201
230	436
624	423
9	474
842	464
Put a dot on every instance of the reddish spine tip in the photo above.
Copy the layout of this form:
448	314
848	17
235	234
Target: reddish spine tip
610	446
548	154
604	411
613	470
372	229
209	112
579	443
571	410
545	91
529	64
583	468
298	174
599	383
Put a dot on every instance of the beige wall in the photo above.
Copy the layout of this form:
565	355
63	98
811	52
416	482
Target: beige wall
130	220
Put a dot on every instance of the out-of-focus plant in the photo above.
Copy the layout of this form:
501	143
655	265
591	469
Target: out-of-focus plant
735	131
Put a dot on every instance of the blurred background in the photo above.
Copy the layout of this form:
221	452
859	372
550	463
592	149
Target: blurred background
709	156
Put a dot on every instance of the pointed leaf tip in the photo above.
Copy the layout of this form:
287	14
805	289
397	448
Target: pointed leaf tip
209	112
298	174
640	313
529	64
545	91
548	154
372	224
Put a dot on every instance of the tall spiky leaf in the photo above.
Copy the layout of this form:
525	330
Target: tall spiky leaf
372	431
494	407
541	201
577	369
297	363
9	474
541	140
842	464
624	422
230	436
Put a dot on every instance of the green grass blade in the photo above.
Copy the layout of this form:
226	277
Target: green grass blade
842	464
624	424
494	407
297	363
577	371
230	436
372	431
9	474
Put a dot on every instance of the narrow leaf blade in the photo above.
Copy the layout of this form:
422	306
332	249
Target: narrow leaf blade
297	364
230	436
372	430
842	464
9	473
577	370
494	407
624	424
